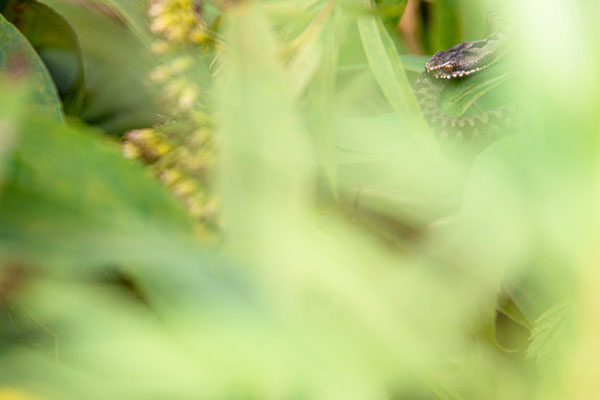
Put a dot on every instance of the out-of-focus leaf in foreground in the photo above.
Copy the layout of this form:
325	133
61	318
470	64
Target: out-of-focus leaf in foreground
394	291
19	60
56	42
75	186
73	209
11	109
343	295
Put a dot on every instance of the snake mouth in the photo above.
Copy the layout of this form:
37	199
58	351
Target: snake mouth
447	71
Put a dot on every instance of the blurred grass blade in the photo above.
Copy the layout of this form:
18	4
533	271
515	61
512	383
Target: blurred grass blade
264	154
313	70
386	65
323	92
134	12
320	98
307	58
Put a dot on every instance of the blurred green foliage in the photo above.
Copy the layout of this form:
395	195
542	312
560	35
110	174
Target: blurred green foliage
311	238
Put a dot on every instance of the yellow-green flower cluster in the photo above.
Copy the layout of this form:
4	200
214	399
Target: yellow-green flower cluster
177	21
145	144
183	163
179	151
178	89
176	25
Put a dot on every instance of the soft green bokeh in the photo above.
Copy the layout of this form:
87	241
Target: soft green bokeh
359	258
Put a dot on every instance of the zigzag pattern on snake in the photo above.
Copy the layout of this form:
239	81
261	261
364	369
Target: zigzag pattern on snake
461	62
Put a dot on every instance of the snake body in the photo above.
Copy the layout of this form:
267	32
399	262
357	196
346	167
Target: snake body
462	62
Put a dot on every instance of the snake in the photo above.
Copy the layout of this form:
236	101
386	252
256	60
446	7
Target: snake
460	63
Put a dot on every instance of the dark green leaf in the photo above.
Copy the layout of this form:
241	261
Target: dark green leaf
57	44
19	60
114	54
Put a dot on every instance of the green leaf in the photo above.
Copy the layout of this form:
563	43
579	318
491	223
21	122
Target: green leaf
320	51
391	10
19	60
72	195
411	63
386	171
323	94
386	65
308	57
57	44
11	110
73	206
112	53
510	307
414	63
134	12
90	333
546	333
460	94
445	29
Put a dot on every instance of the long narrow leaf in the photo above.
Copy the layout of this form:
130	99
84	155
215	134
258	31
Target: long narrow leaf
387	67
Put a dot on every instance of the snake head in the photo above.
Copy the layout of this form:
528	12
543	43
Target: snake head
463	59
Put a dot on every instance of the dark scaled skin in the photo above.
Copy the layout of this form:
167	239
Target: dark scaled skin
465	58
459	62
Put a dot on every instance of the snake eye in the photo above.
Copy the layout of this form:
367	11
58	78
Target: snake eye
448	68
